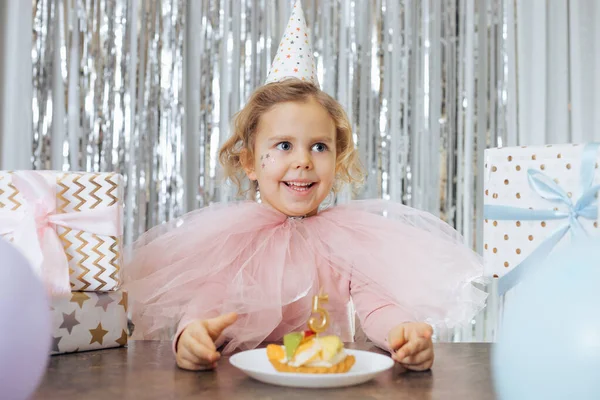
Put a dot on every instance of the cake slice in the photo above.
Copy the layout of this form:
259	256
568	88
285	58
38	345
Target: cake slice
305	352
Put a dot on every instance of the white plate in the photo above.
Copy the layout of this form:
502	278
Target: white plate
255	364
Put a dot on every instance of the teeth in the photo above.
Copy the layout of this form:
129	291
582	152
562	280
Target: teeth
298	184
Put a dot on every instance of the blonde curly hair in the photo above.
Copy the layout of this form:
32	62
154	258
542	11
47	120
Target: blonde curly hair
348	166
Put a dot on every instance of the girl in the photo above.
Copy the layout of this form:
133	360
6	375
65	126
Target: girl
244	273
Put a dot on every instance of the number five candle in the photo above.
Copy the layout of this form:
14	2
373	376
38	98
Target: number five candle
319	323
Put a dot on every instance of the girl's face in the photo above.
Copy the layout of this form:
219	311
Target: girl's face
294	157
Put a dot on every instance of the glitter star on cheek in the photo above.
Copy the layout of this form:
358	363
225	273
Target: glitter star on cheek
268	155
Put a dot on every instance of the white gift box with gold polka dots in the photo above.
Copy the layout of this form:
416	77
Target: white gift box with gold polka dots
89	321
538	179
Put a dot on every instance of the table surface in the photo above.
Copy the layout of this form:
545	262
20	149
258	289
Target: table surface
147	370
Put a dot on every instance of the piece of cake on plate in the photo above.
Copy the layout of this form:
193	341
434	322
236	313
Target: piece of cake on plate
305	352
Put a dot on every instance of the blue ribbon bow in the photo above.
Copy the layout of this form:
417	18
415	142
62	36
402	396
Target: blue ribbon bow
543	185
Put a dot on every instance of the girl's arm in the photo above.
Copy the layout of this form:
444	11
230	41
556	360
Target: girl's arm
377	316
206	294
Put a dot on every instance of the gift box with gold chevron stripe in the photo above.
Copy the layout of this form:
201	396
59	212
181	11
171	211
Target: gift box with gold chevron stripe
89	321
77	211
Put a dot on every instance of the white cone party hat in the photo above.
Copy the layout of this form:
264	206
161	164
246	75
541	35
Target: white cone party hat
294	58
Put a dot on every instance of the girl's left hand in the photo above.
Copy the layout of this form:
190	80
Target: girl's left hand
411	345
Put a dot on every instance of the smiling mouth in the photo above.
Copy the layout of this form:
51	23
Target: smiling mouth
299	186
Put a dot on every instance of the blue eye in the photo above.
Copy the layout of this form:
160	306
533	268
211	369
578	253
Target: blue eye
319	147
285	146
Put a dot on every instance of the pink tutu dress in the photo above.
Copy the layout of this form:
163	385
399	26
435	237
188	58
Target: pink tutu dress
388	262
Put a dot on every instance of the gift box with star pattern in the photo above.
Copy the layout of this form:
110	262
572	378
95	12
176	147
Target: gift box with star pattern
536	200
89	321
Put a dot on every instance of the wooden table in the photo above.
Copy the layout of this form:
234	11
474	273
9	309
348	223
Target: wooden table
147	370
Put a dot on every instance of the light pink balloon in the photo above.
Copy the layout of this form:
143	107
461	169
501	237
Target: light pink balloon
25	326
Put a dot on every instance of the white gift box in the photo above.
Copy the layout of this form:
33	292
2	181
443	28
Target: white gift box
89	321
77	207
536	199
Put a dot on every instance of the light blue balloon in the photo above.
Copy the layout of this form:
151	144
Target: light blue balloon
25	326
549	342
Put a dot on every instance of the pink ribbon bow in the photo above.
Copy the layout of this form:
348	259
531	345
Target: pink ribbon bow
34	230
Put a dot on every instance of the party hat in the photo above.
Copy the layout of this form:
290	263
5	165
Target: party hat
294	58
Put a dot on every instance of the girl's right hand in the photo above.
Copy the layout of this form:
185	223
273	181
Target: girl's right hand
196	348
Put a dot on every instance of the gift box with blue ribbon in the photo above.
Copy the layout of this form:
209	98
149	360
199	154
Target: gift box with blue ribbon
537	199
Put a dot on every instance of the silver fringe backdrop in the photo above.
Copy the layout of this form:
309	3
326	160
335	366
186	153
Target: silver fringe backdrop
148	88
